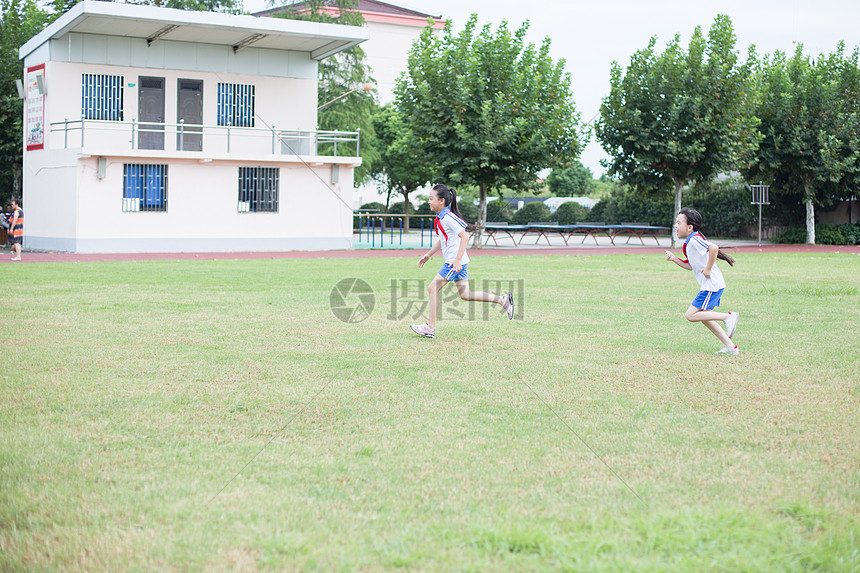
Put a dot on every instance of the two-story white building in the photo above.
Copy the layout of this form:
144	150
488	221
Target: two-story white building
157	130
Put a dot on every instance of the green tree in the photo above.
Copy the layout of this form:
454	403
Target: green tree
678	116
573	180
809	122
570	213
401	167
22	19
534	212
499	211
338	75
488	109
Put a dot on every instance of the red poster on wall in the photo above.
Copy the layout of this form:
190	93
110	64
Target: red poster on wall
35	108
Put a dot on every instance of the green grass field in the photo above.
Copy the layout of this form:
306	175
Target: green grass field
216	415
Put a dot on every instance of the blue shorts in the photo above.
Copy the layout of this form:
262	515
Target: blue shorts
707	299
447	272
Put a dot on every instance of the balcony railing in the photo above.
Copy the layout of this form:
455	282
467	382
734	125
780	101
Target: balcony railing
118	136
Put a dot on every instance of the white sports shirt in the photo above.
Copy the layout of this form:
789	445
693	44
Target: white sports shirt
448	227
696	251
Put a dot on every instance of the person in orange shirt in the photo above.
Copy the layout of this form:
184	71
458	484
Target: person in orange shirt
16	229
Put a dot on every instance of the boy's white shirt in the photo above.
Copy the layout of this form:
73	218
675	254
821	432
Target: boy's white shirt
697	255
453	226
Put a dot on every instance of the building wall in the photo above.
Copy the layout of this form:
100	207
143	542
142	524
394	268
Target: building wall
166	54
51	199
388	54
74	210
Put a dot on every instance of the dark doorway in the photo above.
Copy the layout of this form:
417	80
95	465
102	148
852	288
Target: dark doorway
150	108
189	115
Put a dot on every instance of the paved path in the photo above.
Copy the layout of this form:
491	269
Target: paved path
737	247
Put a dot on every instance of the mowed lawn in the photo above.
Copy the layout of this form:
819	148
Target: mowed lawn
216	415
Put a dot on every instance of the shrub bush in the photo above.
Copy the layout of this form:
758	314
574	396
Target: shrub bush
852	233
626	206
468	210
571	213
373	207
400	207
825	234
424	209
536	212
499	211
725	208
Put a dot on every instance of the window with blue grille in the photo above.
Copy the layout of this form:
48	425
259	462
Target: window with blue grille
258	189
101	96
144	187
236	105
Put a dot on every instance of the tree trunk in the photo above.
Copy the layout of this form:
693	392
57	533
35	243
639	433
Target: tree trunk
810	216
482	218
406	206
678	183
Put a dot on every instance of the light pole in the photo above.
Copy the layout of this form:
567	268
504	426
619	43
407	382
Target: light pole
362	87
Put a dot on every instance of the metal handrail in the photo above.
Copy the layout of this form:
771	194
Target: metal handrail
308	140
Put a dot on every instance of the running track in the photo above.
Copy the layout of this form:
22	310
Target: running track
45	257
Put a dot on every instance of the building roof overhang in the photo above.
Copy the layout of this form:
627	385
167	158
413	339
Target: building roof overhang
153	24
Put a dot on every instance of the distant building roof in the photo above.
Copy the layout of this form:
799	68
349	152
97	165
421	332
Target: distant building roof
373	11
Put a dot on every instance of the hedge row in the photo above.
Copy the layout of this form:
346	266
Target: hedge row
825	234
725	208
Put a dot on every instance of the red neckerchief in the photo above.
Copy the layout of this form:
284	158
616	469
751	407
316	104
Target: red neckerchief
684	246
437	226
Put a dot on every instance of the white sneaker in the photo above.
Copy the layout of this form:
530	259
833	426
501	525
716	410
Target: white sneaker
508	305
732	323
424	330
726	350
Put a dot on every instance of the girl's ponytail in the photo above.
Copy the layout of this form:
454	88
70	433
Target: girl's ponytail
453	204
725	257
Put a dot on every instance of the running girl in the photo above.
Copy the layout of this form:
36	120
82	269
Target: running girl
700	258
451	229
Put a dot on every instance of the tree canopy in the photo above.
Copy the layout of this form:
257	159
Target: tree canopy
488	109
575	179
809	122
402	167
678	116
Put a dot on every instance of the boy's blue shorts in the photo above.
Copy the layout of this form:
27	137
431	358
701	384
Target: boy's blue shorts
447	272
707	299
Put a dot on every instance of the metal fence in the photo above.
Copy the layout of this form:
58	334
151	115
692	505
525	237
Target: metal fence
123	136
372	228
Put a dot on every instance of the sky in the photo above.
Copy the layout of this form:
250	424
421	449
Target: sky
591	34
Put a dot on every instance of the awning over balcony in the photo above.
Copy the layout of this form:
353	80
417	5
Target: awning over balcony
153	24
